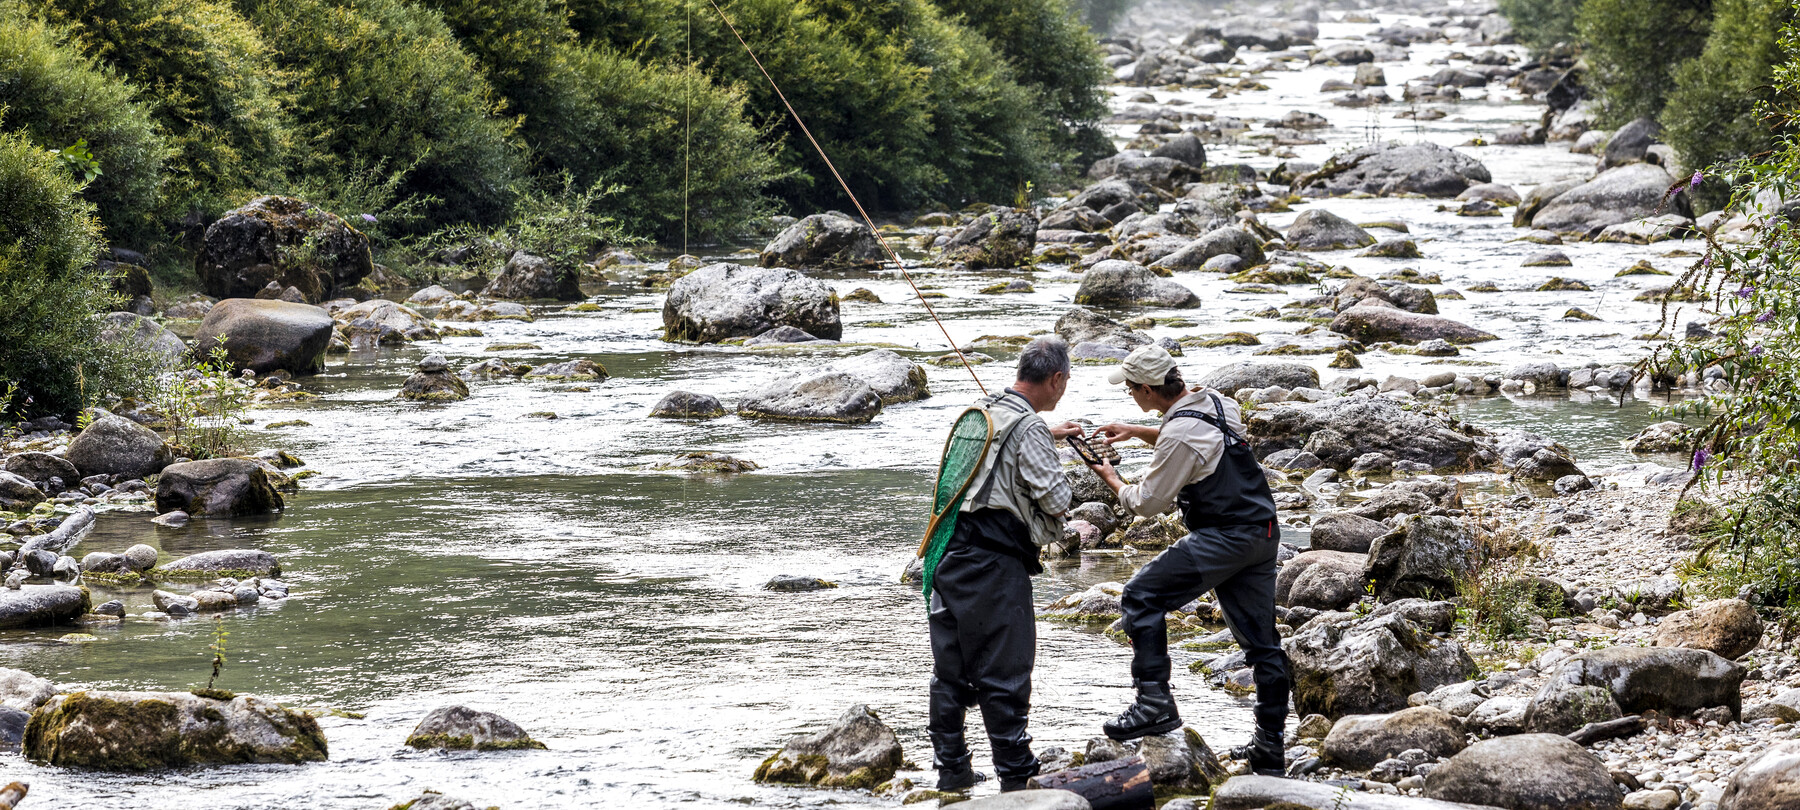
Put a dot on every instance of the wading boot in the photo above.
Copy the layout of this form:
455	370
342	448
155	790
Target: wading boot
1153	713
955	779
1264	753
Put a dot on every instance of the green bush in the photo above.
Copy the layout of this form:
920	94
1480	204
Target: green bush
1050	52
1542	24
1101	15
601	118
1712	112
206	70
56	96
51	358
1633	48
382	83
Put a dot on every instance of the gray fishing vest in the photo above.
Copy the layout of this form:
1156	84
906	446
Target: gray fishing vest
996	482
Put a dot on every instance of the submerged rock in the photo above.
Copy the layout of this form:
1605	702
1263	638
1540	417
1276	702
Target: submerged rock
264	336
460	728
114	445
569	370
41	605
819	397
721	301
135	731
434	382
220	487
232	562
788	583
433	800
706	461
1082	325
857	751
687	405
825	241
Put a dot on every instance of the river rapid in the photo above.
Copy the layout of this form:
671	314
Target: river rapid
482	554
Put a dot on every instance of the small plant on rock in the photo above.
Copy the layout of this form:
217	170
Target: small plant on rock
204	405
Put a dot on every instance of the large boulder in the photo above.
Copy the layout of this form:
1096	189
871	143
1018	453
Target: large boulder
1728	627
1224	241
721	301
38	468
1630	142
688	405
1423	557
1348	664
160	347
1771	781
1260	792
1538	197
1118	283
265	336
1321	580
1526	772
1404	296
1318	229
1082	325
18	494
221	487
1161	172
1391	169
825	241
528	277
857	751
257	244
894	378
22	690
1234	377
460	728
377	321
1371	324
114	445
136	731
1180	762
1359	741
1617	195
832	396
1342	429
1342	531
1671	680
41	605
232	562
1000	238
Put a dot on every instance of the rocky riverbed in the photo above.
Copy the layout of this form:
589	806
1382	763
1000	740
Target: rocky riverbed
1401	241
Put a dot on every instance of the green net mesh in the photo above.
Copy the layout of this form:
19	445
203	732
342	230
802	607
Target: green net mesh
963	454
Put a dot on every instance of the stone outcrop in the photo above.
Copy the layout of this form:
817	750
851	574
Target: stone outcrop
1671	680
1727	627
1346	664
218	487
1117	283
460	728
262	241
827	240
1526	772
135	731
721	301
997	239
41	605
1615	196
1343	429
815	397
1389	169
526	277
114	445
1422	558
265	336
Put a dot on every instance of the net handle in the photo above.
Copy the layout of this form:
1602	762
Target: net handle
937	516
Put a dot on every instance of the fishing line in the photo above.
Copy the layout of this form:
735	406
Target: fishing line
852	195
687	148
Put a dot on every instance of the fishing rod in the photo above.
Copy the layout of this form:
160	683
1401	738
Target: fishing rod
851	194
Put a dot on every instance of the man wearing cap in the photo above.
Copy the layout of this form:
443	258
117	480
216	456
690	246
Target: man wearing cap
1204	467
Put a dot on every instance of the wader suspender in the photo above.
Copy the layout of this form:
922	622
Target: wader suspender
1232	440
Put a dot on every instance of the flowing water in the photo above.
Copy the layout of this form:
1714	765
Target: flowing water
480	553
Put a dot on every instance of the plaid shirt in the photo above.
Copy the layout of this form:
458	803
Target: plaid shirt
1028	471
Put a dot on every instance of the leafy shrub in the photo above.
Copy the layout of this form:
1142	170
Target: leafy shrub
51	357
1633	48
1542	24
56	96
203	405
1050	52
206	70
382	83
1101	15
1711	114
567	225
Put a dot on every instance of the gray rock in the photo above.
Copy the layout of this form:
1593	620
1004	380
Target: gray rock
1459	699
41	605
463	728
825	241
687	405
723	300
1423	557
1617	195
1318	229
1359	741
1770	781
1180	761
221	487
1341	531
1083	325
1258	792
1561	775
894	378
1292	459
134	731
39	468
22	690
111	607
1534	201
1492	192
1186	148
1237	376
857	751
12	729
1346	664
17	494
1499	715
175	604
1727	627
1117	283
1566	708
817	397
141	557
1371	324
237	562
252	246
1030	800
789	583
1388	169
1321	580
441	385
1000	238
527	277
103	562
433	800
569	370
1161	172
114	445
1224	241
264	336
1629	144
1671	680
144	335
378	322
431	296
1341	429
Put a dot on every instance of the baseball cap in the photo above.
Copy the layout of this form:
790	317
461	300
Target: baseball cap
1146	365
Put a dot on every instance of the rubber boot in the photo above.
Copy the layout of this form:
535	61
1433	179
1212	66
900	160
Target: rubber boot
1153	713
956	779
950	756
1265	753
1014	763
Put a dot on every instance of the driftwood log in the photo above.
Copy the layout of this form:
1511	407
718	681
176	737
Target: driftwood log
12	794
1118	784
1595	732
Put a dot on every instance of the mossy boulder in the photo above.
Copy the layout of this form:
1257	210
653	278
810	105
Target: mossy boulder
465	729
284	240
136	731
858	751
217	486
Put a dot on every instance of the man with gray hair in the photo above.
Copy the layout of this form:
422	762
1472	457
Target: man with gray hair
983	625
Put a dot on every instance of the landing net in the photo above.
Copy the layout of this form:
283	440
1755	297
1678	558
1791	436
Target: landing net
963	453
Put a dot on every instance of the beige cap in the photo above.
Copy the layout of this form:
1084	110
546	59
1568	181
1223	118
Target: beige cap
1146	365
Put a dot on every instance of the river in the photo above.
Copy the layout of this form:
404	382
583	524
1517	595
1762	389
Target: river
474	553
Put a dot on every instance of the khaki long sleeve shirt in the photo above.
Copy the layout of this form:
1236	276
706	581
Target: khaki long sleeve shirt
1187	450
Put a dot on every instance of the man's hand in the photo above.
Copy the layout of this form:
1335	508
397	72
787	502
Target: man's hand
1120	432
1067	429
1108	475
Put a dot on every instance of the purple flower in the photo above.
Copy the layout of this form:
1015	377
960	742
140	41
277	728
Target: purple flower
368	217
1756	351
1700	457
1695	181
1746	292
1766	317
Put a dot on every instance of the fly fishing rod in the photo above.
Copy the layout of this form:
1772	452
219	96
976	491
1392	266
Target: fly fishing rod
851	194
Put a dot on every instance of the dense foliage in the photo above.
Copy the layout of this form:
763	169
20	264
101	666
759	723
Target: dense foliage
1542	24
1749	450
1100	15
55	97
1633	48
53	360
1050	52
1712	113
208	73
